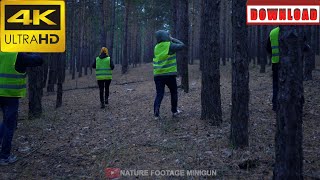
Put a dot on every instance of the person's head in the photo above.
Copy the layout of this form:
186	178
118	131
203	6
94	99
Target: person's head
162	36
104	50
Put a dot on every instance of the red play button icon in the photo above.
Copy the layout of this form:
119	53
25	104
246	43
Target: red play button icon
112	173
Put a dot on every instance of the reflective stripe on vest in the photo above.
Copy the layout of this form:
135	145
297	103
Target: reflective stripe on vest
103	69
274	39
12	83
7	86
163	63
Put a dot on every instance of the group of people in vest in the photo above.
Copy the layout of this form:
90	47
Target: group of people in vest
164	70
13	81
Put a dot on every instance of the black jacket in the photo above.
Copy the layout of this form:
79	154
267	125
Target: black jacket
102	56
25	60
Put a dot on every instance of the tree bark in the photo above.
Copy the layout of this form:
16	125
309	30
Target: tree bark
102	20
35	78
60	77
288	140
125	49
308	56
52	74
113	22
263	58
210	91
223	47
258	45
45	70
240	78
191	32
317	51
183	31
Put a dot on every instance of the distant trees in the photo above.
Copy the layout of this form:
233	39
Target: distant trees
240	77
288	141
210	58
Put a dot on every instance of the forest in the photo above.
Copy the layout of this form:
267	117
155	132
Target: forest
229	121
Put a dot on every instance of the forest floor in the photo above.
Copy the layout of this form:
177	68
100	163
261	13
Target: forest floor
80	140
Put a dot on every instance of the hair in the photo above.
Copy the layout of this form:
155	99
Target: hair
104	50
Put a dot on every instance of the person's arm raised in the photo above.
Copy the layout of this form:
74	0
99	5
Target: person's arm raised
176	45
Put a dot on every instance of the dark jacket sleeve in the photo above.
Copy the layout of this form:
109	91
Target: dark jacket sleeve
25	60
175	46
268	47
93	65
111	65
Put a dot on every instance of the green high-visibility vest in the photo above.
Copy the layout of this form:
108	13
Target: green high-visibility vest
274	38
103	69
163	63
12	83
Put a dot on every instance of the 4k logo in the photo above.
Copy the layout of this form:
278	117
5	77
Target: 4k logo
33	26
26	17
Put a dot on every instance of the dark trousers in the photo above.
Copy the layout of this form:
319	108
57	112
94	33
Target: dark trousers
275	85
161	82
9	107
104	90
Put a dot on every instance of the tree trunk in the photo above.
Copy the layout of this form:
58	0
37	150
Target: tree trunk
102	21
35	78
317	51
240	78
259	45
125	49
288	141
196	48
113	21
313	46
183	31
191	32
223	47
52	74
255	43
263	59
60	77
178	26
210	91
45	69
309	56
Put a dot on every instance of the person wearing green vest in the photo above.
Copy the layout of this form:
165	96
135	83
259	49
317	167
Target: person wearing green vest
12	87
274	50
104	67
165	70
